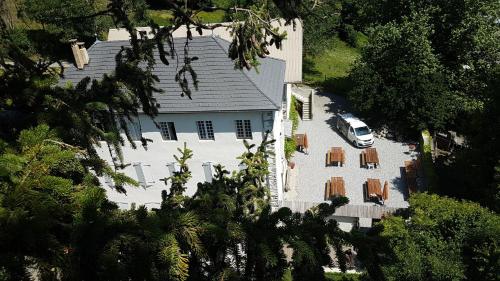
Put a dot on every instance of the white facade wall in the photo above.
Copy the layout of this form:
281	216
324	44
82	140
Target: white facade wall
223	150
278	135
288	100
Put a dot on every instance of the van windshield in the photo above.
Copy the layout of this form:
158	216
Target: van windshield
361	131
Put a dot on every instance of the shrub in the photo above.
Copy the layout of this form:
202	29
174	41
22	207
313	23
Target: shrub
349	35
339	276
290	147
294	114
427	163
290	143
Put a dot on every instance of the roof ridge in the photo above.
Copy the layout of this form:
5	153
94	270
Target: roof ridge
246	76
273	58
96	42
179	37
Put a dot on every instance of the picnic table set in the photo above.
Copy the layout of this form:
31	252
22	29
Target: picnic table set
302	142
412	168
372	189
335	186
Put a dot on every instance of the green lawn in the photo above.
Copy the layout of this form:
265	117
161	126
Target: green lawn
212	17
161	17
164	17
330	68
330	276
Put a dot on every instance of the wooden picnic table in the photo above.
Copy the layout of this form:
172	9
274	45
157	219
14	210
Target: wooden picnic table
411	175
335	155
370	157
334	187
373	188
301	141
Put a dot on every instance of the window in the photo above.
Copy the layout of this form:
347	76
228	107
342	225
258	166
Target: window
168	131
361	131
243	129
100	126
134	130
205	130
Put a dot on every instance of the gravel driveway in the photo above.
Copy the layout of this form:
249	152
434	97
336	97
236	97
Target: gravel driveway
312	172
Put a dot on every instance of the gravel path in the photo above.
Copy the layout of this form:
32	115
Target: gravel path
312	173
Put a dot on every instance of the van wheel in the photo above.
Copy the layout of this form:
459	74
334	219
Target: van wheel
355	144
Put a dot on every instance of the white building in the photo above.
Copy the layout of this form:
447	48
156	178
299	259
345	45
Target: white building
229	106
290	51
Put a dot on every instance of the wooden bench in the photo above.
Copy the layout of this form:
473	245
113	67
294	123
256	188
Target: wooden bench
411	176
327	190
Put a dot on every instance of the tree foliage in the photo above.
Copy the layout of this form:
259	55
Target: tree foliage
320	25
428	63
434	65
35	201
57	224
70	19
439	239
399	78
472	172
56	221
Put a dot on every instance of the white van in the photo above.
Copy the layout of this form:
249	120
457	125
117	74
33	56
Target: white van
355	130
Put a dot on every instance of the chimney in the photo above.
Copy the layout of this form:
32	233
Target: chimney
79	53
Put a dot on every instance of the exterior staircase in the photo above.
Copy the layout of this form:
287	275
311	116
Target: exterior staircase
306	109
305	96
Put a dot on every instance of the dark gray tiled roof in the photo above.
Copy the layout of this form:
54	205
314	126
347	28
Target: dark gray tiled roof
221	87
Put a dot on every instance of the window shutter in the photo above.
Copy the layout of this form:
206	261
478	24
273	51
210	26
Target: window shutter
242	166
122	205
140	174
207	168
109	181
143	172
147	174
173	167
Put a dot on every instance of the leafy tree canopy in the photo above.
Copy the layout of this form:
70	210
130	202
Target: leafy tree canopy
400	79
440	239
57	224
320	25
434	63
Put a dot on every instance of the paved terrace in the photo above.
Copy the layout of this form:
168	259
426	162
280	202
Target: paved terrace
312	172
